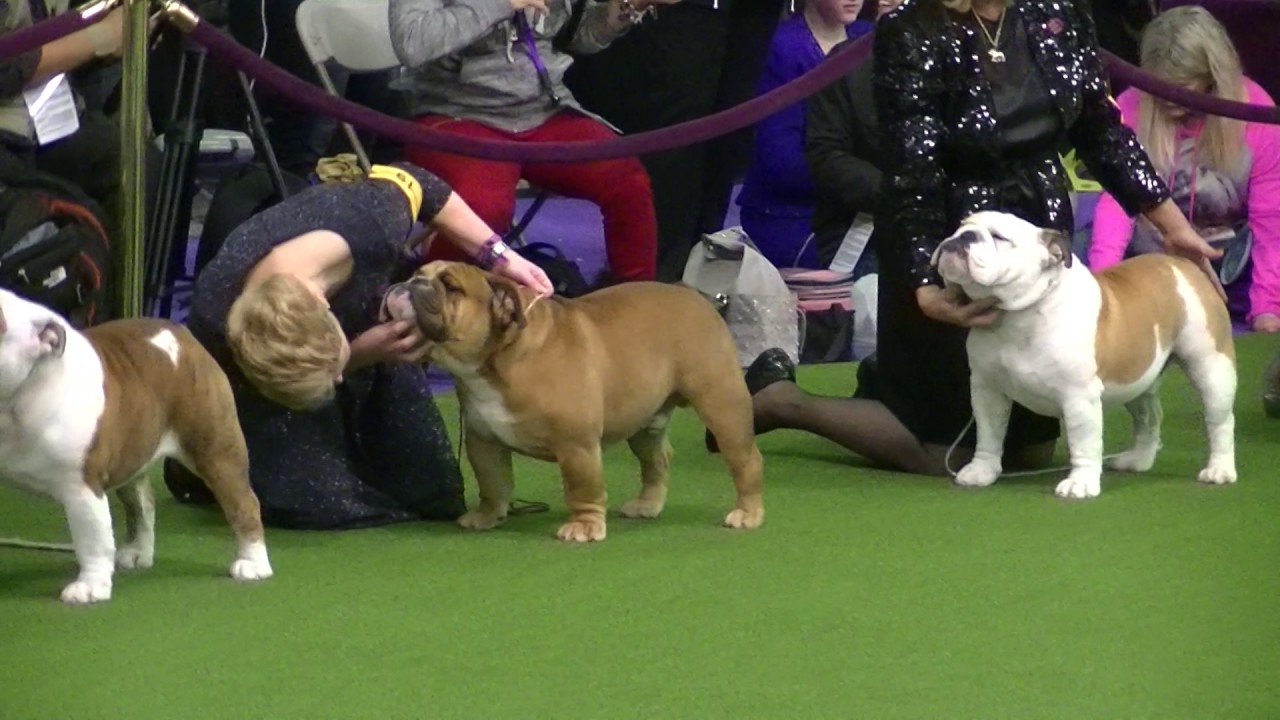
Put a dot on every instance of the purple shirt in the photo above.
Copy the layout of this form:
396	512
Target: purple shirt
778	178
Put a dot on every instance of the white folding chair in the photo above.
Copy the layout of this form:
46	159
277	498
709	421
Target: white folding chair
355	34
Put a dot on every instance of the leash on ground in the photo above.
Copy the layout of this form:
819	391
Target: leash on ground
36	545
1021	473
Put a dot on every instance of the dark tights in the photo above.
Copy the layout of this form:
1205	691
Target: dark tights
869	429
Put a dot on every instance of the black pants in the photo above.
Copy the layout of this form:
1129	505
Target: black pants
689	62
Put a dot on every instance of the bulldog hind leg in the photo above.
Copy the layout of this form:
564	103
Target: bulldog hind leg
1147	416
724	406
1214	377
223	464
652	448
139	549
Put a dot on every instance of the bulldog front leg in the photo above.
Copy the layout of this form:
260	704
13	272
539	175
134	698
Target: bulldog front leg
584	494
491	463
89	519
1082	420
991	410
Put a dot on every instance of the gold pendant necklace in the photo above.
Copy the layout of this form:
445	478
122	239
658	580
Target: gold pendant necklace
994	52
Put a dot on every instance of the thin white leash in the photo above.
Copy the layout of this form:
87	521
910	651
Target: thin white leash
36	545
1022	473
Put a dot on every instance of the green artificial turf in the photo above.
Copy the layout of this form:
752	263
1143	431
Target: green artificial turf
865	595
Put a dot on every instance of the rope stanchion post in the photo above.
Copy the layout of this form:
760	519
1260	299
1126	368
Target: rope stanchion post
133	138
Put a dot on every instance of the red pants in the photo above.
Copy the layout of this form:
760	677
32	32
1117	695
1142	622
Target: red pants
620	187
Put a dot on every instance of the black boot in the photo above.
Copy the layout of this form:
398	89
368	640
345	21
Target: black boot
772	366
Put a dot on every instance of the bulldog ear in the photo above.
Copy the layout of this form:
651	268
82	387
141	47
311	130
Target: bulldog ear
506	304
1059	244
53	338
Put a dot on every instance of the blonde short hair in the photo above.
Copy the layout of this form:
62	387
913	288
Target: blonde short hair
286	342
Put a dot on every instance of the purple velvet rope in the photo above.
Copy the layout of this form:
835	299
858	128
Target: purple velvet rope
40	34
1199	102
686	133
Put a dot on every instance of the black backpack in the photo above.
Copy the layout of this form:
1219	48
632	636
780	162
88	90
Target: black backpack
54	249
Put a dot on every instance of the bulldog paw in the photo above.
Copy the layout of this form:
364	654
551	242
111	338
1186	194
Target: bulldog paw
133	557
641	508
481	520
581	531
1218	474
977	474
1133	460
1079	486
744	519
83	592
247	570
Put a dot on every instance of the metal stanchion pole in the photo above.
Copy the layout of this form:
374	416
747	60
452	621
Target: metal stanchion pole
133	137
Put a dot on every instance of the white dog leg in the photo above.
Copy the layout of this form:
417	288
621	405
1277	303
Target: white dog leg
1214	376
89	518
1147	415
139	550
1082	420
991	410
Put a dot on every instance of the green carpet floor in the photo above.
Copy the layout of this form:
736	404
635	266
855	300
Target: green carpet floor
865	595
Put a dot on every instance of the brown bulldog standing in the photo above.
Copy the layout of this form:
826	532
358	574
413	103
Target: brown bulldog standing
558	379
84	414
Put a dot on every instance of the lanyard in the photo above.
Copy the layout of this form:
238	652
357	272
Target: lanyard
526	34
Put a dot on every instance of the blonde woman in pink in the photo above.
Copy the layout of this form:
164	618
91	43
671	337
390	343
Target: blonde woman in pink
1224	174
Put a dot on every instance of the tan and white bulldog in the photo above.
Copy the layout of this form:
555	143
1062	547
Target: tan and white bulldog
1070	341
83	414
559	379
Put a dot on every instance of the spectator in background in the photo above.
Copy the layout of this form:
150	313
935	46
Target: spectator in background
90	156
778	193
844	158
699	58
475	76
1225	174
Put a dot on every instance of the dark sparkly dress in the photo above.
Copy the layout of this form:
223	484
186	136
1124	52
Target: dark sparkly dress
380	452
963	133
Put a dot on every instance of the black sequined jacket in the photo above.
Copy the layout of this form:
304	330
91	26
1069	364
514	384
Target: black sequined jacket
938	125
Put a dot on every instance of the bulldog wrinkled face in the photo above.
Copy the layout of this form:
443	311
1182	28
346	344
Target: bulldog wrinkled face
29	334
464	312
994	254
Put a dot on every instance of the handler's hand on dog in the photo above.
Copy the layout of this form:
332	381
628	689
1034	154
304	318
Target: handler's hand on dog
947	305
394	341
527	274
1188	243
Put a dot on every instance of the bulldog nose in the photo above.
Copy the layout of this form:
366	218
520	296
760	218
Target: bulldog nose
968	237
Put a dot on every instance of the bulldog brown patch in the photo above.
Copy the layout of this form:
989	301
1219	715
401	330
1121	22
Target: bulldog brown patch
158	379
1140	306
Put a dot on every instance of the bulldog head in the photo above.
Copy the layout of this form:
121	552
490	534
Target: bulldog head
464	312
30	335
995	254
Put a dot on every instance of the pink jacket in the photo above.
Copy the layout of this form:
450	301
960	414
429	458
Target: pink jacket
1112	228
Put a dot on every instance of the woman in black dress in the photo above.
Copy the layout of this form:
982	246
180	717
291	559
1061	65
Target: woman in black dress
341	433
975	100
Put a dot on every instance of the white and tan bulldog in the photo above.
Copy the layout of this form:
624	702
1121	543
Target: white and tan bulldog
1070	342
558	379
83	414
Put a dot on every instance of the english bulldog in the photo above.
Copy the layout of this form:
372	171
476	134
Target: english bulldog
1070	342
559	379
83	414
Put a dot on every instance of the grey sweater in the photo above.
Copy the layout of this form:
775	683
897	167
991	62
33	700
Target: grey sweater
466	60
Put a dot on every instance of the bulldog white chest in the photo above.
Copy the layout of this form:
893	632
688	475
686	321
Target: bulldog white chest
45	433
